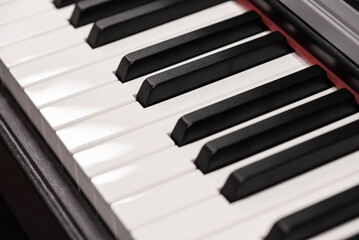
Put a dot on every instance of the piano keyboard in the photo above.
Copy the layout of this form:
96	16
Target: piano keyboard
185	119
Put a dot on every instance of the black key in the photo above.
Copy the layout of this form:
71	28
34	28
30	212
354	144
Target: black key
212	68
292	162
178	49
353	3
318	217
88	11
142	18
275	130
354	237
64	3
250	104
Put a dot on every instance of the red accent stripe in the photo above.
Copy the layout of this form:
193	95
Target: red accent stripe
298	48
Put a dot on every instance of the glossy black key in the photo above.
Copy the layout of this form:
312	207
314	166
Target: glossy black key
142	18
275	130
88	11
318	217
178	49
354	4
354	237
212	68
292	162
242	107
64	3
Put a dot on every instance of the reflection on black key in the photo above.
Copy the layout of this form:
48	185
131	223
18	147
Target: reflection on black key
318	217
142	18
275	130
292	162
64	3
212	68
88	11
178	49
250	104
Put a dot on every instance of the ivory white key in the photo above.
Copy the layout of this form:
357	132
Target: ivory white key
17	10
162	200
258	227
42	45
344	231
3	2
71	84
125	119
86	105
130	147
33	26
208	217
56	64
113	188
141	175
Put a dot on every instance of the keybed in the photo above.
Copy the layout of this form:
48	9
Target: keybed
184	119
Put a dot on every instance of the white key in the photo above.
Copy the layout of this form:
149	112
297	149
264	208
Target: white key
163	200
86	105
33	26
259	227
51	66
43	45
17	10
3	2
71	84
133	116
118	152
344	231
206	218
57	63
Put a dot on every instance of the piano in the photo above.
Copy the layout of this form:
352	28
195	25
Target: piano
181	119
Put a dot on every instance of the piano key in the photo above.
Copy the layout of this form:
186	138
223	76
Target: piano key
123	150
33	26
240	108
92	10
208	217
135	84
220	176
292	162
162	200
64	3
18	10
134	116
347	231
93	163
178	49
179	80
42	45
251	140
318	217
147	16
71	84
264	222
72	110
60	63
